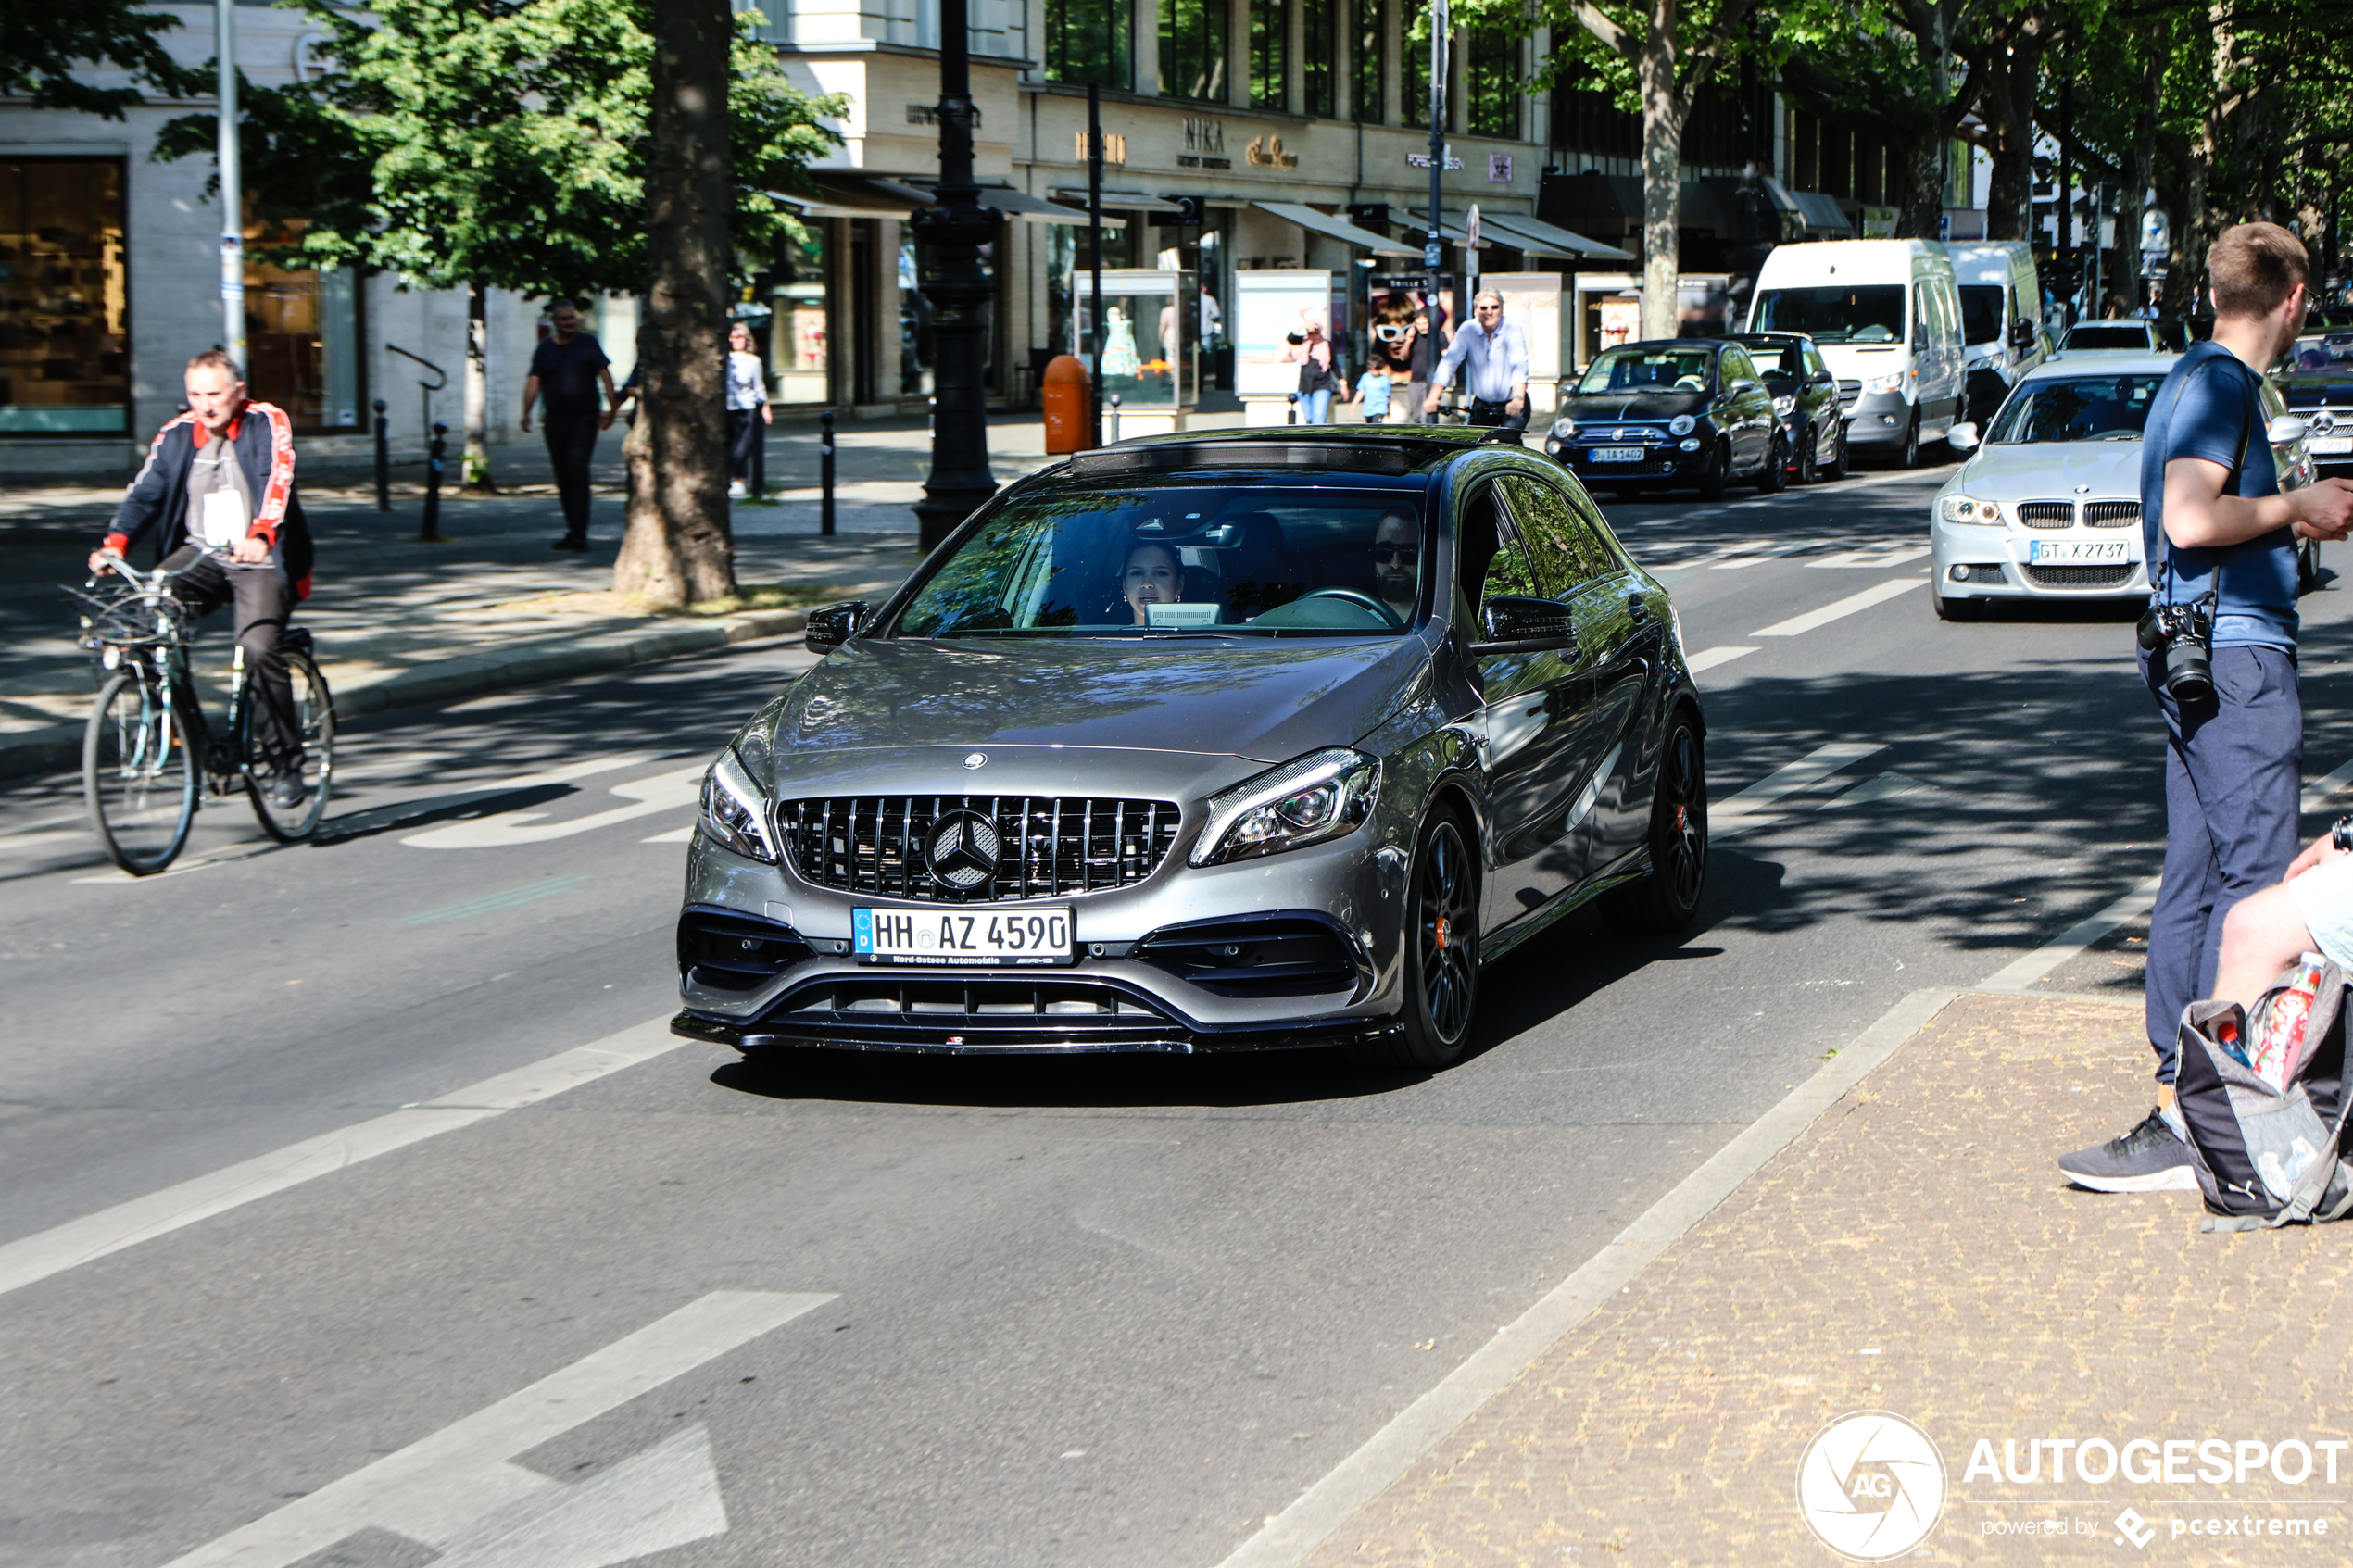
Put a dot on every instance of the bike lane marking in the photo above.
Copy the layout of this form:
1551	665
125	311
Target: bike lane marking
1798	625
458	1491
31	1258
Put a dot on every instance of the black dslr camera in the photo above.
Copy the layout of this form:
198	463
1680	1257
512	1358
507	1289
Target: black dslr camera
2181	637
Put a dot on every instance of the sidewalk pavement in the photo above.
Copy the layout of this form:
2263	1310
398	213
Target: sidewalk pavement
490	608
1914	1250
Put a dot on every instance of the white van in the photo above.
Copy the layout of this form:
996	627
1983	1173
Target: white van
2000	300
1888	322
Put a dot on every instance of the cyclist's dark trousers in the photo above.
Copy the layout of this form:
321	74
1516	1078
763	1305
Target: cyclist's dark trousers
2234	769
263	604
572	443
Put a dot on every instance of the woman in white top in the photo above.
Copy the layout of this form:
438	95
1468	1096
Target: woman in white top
746	390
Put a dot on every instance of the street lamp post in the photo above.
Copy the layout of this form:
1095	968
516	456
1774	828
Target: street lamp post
951	232
232	203
1433	258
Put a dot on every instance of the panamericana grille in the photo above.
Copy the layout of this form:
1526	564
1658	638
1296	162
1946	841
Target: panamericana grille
2078	576
1046	847
1849	391
2046	514
2111	514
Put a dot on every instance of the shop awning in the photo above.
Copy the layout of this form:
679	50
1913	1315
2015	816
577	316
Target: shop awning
1000	198
1533	234
1450	224
1821	210
1336	227
1126	201
856	196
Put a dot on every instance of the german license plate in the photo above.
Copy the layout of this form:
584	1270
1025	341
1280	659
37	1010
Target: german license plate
1615	454
961	936
2330	446
2053	552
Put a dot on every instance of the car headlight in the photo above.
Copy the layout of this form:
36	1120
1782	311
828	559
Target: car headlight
1785	407
1565	430
734	809
1681	425
1883	383
1965	508
1320	796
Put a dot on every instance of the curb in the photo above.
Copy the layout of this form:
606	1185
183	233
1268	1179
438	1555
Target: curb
480	675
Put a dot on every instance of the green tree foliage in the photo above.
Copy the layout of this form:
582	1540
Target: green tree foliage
43	45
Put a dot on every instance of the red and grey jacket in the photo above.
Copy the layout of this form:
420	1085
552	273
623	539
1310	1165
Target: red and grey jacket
263	438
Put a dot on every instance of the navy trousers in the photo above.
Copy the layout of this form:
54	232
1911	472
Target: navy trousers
2234	774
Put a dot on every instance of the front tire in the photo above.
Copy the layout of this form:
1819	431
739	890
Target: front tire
1774	473
137	778
1809	459
1442	955
1712	477
1839	465
1958	609
1911	454
1668	899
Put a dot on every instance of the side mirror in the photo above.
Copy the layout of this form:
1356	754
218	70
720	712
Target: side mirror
1742	385
832	626
1823	378
2022	334
1518	625
2287	430
1963	437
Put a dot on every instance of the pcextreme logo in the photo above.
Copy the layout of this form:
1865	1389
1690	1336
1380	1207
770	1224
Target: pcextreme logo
1872	1486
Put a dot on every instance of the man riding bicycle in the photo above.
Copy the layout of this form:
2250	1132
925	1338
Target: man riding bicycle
220	480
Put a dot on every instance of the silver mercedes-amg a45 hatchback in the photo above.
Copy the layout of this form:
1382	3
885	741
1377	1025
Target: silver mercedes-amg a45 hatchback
1205	743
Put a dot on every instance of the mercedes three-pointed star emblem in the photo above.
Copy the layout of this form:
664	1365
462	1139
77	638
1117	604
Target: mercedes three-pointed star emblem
962	851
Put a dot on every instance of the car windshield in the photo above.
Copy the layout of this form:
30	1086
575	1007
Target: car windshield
1650	370
2079	408
2327	354
1780	362
1839	313
1981	312
1182	561
2107	335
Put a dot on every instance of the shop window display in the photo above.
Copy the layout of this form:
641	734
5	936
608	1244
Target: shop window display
302	336
64	307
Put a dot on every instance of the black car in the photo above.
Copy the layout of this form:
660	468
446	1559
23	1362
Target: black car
1689	411
2315	378
1805	396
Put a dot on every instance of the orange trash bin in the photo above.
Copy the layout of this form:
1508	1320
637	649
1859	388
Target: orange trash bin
1062	390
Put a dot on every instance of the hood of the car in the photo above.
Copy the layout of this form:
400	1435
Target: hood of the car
1267	701
2052	470
2307	389
1645	408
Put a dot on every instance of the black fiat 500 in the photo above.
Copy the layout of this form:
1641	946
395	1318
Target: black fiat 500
1689	411
1205	743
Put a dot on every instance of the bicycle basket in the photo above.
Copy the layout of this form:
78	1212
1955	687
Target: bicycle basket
121	619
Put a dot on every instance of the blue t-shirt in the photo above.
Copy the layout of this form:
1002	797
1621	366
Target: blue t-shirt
2211	407
1373	387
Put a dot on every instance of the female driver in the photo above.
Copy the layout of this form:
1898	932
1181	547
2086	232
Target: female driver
1154	576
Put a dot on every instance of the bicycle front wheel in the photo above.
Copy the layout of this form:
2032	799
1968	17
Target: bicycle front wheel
137	776
314	716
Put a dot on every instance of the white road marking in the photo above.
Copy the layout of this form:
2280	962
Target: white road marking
1797	625
458	1492
676	835
662	792
36	1256
2317	795
1290	1535
1744	556
1708	658
1868	559
1882	787
2023	974
1739	810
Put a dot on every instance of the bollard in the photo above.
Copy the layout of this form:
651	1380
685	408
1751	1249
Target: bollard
1115	418
431	534
1291	418
383	460
825	473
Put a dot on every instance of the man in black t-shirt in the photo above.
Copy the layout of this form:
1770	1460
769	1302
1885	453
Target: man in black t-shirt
566	368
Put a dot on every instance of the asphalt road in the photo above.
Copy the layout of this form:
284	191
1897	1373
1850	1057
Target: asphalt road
1088	1312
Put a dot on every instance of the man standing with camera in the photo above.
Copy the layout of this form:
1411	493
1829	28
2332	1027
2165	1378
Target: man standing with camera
2220	543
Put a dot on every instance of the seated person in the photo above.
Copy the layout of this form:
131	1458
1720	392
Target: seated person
2309	911
1154	574
1397	552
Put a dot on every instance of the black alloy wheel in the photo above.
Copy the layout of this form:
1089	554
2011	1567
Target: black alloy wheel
1774	474
1668	897
1911	457
2307	567
1712	477
1442	955
1809	465
1837	467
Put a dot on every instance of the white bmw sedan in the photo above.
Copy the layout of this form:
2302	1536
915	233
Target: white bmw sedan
2048	507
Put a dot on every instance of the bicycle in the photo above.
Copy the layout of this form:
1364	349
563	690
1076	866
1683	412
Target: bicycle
150	755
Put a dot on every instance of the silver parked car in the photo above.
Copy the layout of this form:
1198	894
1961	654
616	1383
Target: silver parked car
1198	742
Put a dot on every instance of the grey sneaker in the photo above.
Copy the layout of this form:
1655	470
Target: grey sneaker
2151	1157
285	790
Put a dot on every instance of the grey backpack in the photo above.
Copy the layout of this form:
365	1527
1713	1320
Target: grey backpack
2267	1156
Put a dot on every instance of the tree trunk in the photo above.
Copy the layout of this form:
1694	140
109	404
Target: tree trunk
1662	173
475	466
677	549
2009	109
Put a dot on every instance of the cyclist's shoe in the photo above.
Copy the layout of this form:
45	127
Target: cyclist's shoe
286	790
571	542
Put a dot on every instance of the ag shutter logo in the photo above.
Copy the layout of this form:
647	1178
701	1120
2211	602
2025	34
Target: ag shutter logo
1872	1486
